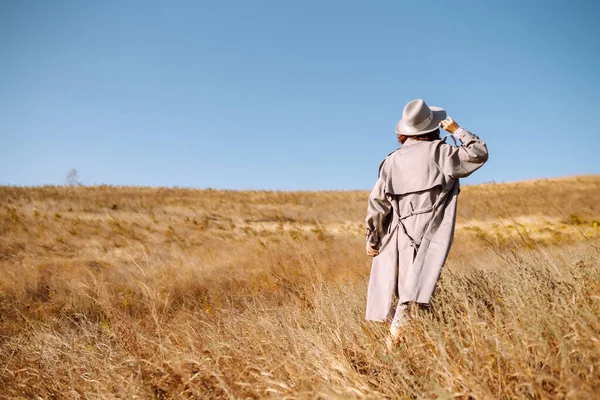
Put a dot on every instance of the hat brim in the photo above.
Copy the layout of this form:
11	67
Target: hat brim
439	114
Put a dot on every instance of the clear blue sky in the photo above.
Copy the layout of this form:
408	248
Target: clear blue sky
289	95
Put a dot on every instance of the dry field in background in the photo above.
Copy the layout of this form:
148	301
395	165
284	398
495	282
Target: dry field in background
120	292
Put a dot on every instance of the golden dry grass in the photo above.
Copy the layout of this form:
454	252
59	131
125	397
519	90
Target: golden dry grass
112	292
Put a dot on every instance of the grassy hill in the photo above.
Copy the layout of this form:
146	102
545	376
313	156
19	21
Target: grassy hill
154	292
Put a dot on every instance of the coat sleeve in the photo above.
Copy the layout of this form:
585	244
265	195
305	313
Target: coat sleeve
462	161
378	208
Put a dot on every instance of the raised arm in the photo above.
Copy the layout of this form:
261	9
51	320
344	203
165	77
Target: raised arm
462	161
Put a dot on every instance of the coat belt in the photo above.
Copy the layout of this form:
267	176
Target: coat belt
432	208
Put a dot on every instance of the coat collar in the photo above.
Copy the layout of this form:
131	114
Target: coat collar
410	142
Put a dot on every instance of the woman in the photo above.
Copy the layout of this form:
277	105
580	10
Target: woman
412	211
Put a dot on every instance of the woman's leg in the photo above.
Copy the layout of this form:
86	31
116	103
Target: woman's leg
398	321
401	315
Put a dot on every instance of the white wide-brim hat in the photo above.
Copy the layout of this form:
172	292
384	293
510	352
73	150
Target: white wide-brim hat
418	118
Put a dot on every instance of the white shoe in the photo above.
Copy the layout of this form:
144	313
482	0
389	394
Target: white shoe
394	336
395	331
390	343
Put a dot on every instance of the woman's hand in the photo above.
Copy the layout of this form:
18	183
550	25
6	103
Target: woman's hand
372	251
450	125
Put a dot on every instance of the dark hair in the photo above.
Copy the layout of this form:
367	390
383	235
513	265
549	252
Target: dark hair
429	137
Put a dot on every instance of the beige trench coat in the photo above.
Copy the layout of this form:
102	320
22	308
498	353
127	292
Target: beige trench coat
411	216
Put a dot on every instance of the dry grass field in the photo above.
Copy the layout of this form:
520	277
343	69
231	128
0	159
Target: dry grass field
121	292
